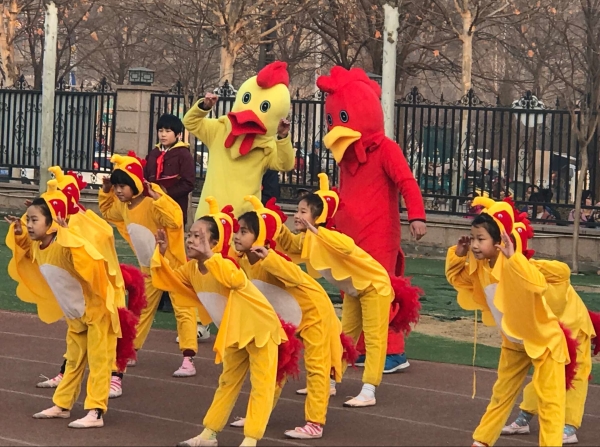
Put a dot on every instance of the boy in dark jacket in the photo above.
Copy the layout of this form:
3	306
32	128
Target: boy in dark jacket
170	164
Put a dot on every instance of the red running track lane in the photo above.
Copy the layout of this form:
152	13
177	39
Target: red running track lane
430	404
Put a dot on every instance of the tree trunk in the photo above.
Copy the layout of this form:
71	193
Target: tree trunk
7	48
226	69
578	194
467	64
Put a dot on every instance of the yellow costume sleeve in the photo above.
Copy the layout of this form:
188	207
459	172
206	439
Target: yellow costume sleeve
529	277
178	283
110	206
289	242
166	211
283	158
31	284
284	270
226	272
336	240
203	128
457	271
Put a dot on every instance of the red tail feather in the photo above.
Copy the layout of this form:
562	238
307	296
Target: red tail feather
406	305
125	349
350	352
136	290
595	317
571	368
289	353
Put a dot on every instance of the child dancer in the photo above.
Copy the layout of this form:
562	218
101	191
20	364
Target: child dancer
249	329
143	208
365	283
488	275
100	235
281	280
570	309
67	277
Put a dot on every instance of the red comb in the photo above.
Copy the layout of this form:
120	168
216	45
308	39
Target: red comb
134	155
228	209
273	74
272	205
339	77
79	178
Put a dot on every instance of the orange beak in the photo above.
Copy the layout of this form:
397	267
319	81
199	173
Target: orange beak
339	139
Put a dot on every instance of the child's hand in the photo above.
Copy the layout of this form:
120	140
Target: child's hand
61	221
509	248
151	193
106	185
203	247
161	241
462	246
283	129
28	203
210	99
18	228
261	252
308	225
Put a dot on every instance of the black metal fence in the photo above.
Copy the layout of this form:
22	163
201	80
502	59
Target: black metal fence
84	127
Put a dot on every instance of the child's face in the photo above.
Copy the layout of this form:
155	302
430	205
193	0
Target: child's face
166	137
304	212
244	238
123	192
193	238
37	226
482	244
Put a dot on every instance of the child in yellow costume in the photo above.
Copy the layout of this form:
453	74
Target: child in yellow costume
247	141
100	235
365	283
509	291
570	309
249	329
143	208
298	298
64	275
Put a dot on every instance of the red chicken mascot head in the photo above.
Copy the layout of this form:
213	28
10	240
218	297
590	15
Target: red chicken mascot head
354	113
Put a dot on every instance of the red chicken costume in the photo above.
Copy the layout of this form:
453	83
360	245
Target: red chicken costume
373	171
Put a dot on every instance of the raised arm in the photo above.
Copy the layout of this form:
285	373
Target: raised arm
289	242
196	121
165	210
226	272
109	205
283	159
397	169
284	270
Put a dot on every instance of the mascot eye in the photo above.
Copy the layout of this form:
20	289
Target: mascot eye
264	106
344	116
329	120
246	98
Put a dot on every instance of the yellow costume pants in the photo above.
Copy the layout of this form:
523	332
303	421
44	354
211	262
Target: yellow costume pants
576	396
93	343
262	363
317	361
185	317
370	314
549	383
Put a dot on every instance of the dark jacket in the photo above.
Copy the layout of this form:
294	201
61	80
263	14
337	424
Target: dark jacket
177	161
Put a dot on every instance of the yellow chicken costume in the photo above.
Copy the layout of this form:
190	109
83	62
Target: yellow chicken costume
294	294
243	144
142	223
70	278
365	283
249	329
511	295
570	309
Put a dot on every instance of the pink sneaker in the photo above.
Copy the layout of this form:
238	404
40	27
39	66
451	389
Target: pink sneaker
187	368
50	383
309	431
53	413
116	387
92	420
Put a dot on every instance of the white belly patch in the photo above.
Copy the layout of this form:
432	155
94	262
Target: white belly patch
143	242
66	290
214	304
490	292
284	304
345	286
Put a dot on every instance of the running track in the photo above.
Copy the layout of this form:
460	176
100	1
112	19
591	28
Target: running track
429	405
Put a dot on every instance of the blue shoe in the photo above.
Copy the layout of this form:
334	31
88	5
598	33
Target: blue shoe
360	361
394	363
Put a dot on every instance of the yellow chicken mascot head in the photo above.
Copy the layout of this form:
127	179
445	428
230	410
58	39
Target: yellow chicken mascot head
261	102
